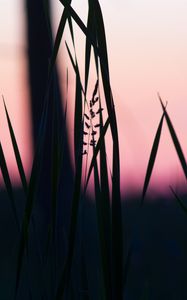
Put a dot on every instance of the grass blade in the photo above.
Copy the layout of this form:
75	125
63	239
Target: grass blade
78	144
96	151
77	19
78	132
8	184
16	151
38	155
101	51
65	277
102	238
152	158
117	236
175	139
58	39
91	29
30	195
105	209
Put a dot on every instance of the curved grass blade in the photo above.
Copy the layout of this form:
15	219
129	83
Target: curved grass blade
116	196
91	28
105	72
58	39
101	37
87	52
117	236
175	139
8	185
152	158
75	67
16	152
77	19
182	205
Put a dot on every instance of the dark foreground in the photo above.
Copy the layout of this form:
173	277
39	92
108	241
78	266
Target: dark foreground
157	233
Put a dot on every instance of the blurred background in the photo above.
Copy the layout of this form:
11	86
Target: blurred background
147	44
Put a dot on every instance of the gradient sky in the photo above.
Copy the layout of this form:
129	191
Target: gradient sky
147	45
13	84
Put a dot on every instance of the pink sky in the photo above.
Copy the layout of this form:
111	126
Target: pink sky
147	45
13	84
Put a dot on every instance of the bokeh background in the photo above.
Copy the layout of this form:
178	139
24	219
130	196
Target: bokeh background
147	45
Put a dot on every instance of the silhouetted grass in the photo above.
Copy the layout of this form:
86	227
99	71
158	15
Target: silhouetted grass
113	269
108	248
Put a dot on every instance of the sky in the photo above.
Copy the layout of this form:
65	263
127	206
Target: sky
147	46
14	85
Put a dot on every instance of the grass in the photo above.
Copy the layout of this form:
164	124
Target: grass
113	268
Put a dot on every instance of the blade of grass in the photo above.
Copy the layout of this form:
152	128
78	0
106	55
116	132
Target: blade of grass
103	235
30	196
105	208
117	236
36	163
78	133
96	151
16	151
8	185
58	39
75	67
37	157
104	68
20	168
65	276
78	140
55	171
175	139
101	230
91	28
77	19
152	158
116	197
102	196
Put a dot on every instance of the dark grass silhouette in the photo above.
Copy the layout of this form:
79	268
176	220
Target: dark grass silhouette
111	249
